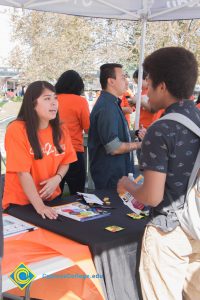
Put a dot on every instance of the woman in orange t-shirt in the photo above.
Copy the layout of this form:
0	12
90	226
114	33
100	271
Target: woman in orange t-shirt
126	108
146	116
38	152
74	112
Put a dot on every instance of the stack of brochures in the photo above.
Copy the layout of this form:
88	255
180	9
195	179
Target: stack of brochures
13	226
81	212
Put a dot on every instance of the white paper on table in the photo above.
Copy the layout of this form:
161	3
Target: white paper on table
91	198
13	226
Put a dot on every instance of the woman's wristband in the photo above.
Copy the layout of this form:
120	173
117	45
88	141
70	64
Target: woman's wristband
60	176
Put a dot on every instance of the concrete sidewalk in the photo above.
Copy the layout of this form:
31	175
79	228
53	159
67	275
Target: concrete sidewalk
9	109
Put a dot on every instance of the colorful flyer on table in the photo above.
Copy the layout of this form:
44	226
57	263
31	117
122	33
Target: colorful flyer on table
81	212
135	216
114	228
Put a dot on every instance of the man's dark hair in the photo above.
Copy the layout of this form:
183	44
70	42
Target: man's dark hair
70	82
144	74
108	71
28	114
176	67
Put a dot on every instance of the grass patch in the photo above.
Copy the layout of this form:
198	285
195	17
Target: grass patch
2	103
17	99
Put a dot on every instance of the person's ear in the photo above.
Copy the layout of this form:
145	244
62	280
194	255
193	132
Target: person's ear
163	87
110	81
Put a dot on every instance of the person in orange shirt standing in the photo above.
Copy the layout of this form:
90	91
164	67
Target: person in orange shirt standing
126	108
38	152
146	115
74	111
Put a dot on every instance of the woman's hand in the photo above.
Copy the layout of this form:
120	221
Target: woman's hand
132	101
49	186
127	110
46	211
35	199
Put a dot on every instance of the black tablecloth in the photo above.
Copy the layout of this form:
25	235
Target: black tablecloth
116	255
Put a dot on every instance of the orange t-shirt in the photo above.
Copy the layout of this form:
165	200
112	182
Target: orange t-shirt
198	105
20	158
146	118
74	111
124	103
158	114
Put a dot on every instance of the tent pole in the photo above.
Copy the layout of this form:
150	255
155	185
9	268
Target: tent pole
139	89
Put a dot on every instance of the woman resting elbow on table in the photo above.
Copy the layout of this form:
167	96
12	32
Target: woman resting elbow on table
38	151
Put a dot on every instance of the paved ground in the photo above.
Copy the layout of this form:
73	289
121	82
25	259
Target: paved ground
9	109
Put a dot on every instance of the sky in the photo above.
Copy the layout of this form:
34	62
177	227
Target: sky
5	31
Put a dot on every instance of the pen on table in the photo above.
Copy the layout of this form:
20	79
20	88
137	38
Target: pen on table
31	229
102	206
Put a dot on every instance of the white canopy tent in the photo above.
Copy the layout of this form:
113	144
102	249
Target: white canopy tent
136	10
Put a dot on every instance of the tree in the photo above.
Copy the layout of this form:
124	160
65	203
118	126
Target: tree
174	33
50	43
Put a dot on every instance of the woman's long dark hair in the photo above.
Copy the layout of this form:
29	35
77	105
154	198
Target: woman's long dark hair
28	114
70	82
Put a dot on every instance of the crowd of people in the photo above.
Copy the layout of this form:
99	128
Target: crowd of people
44	147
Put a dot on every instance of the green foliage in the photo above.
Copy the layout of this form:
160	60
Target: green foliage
47	44
2	103
17	99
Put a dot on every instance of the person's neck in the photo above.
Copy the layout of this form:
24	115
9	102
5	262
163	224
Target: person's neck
112	92
169	101
43	124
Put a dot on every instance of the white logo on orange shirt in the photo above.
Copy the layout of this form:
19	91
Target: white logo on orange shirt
48	149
